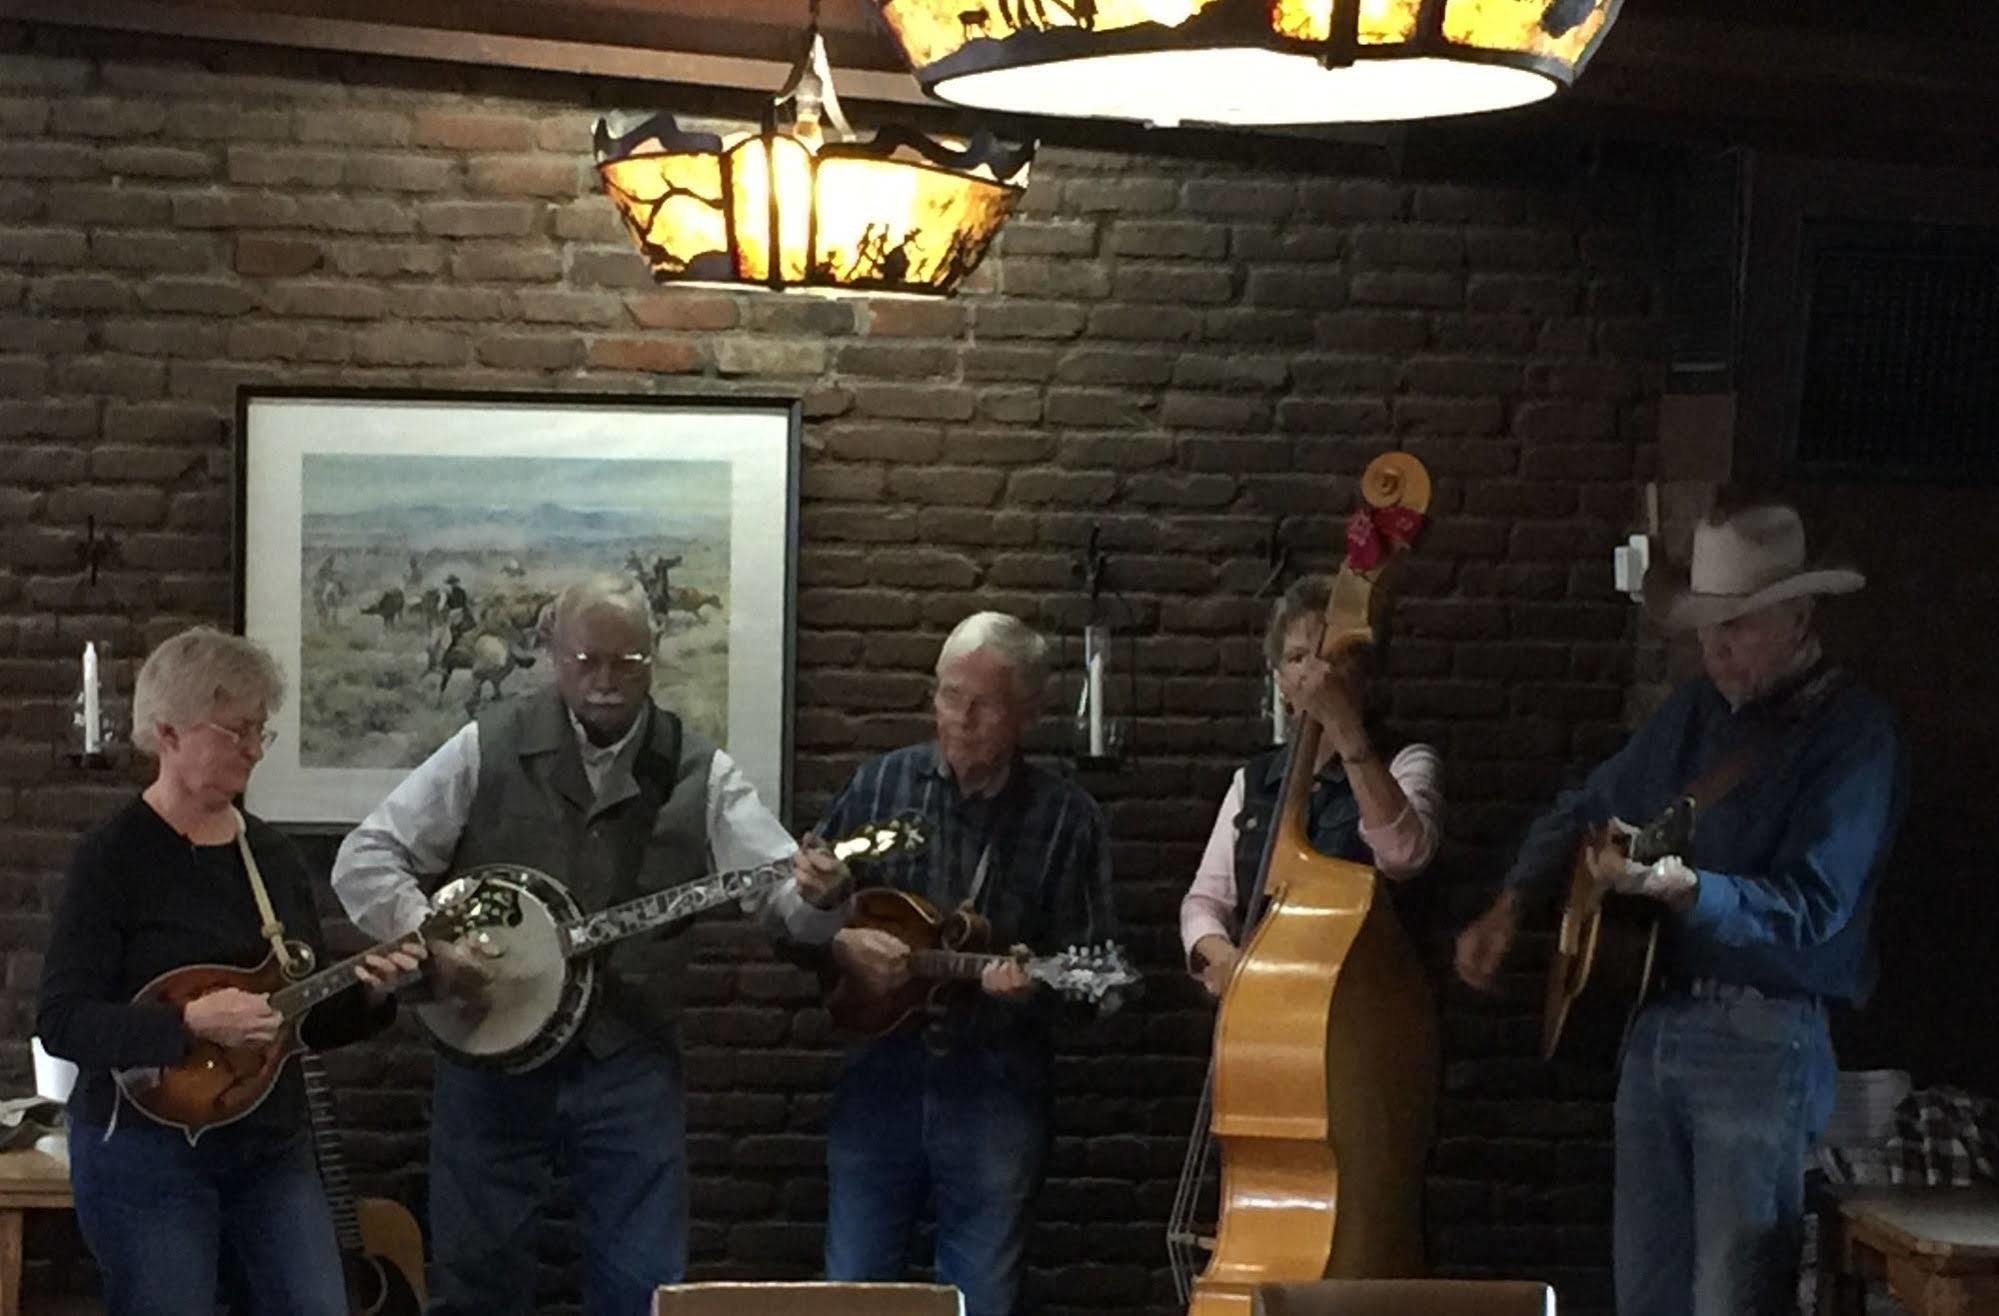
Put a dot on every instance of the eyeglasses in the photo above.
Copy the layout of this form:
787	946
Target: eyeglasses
618	664
245	736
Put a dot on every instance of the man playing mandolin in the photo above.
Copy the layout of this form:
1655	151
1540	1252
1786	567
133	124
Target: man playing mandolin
593	784
1372	810
1727	1072
164	884
956	1113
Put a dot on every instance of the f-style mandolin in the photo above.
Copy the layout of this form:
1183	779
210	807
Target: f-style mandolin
214	1084
946	948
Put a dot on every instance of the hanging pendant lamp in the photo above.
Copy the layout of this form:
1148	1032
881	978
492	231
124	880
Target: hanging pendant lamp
1167	62
794	207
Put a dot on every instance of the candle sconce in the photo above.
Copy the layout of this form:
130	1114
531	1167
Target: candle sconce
1098	738
98	717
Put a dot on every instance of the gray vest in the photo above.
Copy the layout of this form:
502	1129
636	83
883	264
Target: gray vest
649	831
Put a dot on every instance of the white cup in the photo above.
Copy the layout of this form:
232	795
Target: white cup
54	1077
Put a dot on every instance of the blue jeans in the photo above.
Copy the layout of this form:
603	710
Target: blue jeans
968	1133
1718	1103
158	1215
617	1126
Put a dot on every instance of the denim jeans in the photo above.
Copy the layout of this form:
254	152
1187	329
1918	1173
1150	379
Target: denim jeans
1718	1102
158	1215
617	1126
965	1132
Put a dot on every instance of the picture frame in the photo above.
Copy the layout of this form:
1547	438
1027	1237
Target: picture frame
398	551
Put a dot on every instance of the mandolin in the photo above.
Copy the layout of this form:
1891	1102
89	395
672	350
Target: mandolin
214	1085
381	1248
541	964
944	949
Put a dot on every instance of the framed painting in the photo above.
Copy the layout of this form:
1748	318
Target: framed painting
400	552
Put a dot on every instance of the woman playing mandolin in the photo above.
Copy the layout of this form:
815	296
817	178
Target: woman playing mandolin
161	885
1366	805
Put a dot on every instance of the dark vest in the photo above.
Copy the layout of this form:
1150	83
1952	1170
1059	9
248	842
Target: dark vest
1332	820
534	807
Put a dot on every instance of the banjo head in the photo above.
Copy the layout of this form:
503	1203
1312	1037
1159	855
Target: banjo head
536	995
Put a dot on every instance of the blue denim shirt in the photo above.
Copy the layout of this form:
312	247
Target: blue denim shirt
1789	862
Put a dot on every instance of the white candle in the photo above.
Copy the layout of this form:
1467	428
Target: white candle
1097	701
92	722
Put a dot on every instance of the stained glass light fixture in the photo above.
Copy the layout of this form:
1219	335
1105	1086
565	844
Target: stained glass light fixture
1247	61
805	203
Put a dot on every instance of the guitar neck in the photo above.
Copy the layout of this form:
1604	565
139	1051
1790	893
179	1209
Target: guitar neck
596	931
332	1159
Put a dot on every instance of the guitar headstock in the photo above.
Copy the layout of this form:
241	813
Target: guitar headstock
903	834
1087	973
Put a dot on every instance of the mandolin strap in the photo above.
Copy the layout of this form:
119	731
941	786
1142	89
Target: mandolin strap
293	959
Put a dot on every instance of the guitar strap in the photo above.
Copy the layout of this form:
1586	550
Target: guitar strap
294	957
1714	785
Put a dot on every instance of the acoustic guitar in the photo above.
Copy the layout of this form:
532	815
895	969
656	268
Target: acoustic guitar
1606	954
381	1248
214	1085
945	949
541	965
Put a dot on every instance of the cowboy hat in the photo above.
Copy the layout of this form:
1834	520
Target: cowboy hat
1742	562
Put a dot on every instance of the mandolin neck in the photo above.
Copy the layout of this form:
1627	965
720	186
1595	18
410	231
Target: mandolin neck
596	931
950	963
293	1001
332	1157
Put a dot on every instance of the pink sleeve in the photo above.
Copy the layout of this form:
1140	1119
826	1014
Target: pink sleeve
1405	847
1209	905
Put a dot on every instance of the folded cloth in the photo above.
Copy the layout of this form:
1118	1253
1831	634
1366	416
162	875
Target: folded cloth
23	1120
1944	1137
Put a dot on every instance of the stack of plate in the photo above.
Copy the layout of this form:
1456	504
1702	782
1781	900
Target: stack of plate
1863	1106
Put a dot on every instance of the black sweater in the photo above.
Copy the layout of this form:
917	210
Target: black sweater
141	899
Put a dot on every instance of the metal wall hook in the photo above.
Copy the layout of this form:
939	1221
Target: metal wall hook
96	550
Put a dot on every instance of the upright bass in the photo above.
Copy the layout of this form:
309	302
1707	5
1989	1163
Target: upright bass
1322	1087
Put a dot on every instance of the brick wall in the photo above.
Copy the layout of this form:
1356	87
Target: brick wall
1182	351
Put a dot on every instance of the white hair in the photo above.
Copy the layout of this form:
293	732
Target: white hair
186	677
1007	638
619	594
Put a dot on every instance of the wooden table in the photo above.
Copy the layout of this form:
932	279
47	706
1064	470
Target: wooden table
1938	1248
29	1180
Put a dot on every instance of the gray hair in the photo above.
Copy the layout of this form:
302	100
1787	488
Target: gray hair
1307	597
1007	638
619	594
1310	596
187	676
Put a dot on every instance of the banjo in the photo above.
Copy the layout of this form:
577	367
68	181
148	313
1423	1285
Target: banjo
540	962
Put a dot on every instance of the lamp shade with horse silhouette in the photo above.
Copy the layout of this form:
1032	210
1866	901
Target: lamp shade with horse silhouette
791	208
1247	61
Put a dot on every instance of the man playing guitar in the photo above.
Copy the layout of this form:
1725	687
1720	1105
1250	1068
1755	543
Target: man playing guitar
1727	1072
956	1112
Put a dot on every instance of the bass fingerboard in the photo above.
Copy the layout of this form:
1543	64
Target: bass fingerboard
595	931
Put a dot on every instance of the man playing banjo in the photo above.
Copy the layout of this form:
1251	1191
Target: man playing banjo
593	784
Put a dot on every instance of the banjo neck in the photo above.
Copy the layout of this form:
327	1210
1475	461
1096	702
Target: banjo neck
596	931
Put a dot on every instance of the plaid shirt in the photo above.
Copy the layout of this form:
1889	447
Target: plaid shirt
1047	881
